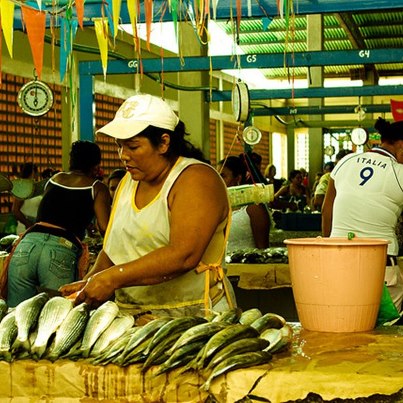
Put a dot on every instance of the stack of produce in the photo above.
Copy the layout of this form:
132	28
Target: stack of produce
52	329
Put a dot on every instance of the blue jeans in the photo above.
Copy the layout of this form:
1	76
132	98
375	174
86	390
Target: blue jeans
40	260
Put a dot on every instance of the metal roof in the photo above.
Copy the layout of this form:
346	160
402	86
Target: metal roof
366	30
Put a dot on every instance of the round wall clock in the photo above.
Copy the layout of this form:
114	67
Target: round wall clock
35	98
251	135
240	102
359	136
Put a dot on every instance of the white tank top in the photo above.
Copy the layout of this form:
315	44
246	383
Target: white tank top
134	232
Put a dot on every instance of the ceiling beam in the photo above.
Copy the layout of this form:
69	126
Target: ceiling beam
298	93
317	110
255	61
347	22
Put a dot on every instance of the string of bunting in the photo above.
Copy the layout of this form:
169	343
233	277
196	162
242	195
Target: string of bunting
34	18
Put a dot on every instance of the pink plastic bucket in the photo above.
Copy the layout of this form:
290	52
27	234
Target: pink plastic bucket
337	283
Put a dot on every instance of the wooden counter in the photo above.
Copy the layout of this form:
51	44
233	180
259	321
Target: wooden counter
329	365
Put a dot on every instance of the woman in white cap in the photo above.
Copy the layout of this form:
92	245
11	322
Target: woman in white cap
165	241
365	196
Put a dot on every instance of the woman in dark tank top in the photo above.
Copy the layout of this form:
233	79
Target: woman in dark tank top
47	256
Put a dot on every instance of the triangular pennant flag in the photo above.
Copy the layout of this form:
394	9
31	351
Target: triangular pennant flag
108	8
7	23
68	30
174	12
214	5
148	7
280	7
116	4
101	30
397	110
35	22
80	12
133	10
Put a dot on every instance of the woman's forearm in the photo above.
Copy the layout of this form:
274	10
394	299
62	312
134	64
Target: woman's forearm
102	262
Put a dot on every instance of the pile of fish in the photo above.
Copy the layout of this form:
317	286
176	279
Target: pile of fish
52	328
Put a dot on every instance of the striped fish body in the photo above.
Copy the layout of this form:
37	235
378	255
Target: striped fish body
114	331
97	324
26	316
174	326
223	338
8	333
51	317
69	331
244	360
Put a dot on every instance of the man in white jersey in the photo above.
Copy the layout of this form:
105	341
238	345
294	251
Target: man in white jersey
365	196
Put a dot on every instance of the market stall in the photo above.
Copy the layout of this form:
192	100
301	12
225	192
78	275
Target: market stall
366	366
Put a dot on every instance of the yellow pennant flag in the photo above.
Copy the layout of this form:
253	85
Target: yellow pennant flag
133	10
116	4
101	31
7	23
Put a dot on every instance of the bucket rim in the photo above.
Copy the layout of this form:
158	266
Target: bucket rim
337	241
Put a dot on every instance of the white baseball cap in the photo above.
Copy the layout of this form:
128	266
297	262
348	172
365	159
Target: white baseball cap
137	113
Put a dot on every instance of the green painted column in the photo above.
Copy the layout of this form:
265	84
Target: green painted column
315	79
193	109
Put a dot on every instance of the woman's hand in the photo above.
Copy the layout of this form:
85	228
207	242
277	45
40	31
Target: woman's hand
72	288
98	289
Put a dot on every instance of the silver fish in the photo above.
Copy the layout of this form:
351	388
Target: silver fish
8	333
115	330
26	316
69	331
249	316
97	324
244	360
51	317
